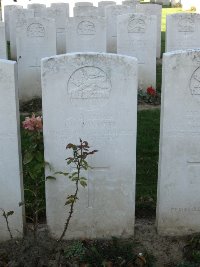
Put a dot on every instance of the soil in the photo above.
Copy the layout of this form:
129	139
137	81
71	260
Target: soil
168	251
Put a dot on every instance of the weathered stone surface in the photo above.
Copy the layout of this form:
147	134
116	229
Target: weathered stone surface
136	36
112	12
3	44
102	5
60	13
182	31
36	38
10	164
153	9
7	10
86	34
178	210
17	18
80	94
39	10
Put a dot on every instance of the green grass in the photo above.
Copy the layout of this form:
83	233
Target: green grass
147	153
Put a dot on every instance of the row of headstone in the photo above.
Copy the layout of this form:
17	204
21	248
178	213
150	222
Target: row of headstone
92	84
34	38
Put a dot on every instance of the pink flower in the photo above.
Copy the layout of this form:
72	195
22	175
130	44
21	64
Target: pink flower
33	123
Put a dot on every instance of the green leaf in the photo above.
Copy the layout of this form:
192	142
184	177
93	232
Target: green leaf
50	178
39	156
27	158
83	183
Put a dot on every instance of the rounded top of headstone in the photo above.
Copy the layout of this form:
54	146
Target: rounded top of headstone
106	3
79	4
36	5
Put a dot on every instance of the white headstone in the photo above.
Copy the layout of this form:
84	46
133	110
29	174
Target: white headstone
112	12
86	34
10	164
102	5
17	17
162	2
7	10
178	210
36	39
153	9
39	9
3	44
59	12
182	31
80	92
81	11
136	36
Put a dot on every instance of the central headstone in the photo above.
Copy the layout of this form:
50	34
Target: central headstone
80	96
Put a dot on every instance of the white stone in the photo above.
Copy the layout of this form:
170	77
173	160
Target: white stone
59	12
153	9
39	10
81	11
178	210
112	12
80	94
36	39
7	10
79	4
102	5
130	3
86	34
10	164
182	31
136	36
17	17
175	2
3	44
162	2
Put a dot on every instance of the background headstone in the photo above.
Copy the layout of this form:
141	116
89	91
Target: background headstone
136	36
182	31
10	164
3	44
17	17
153	9
59	12
86	34
7	10
102	5
80	96
36	39
111	24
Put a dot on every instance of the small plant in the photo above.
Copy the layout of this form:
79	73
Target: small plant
75	251
6	215
33	165
79	161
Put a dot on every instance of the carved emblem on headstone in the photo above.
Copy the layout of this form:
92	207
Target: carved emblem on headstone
136	25
86	28
195	82
35	30
186	25
89	82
